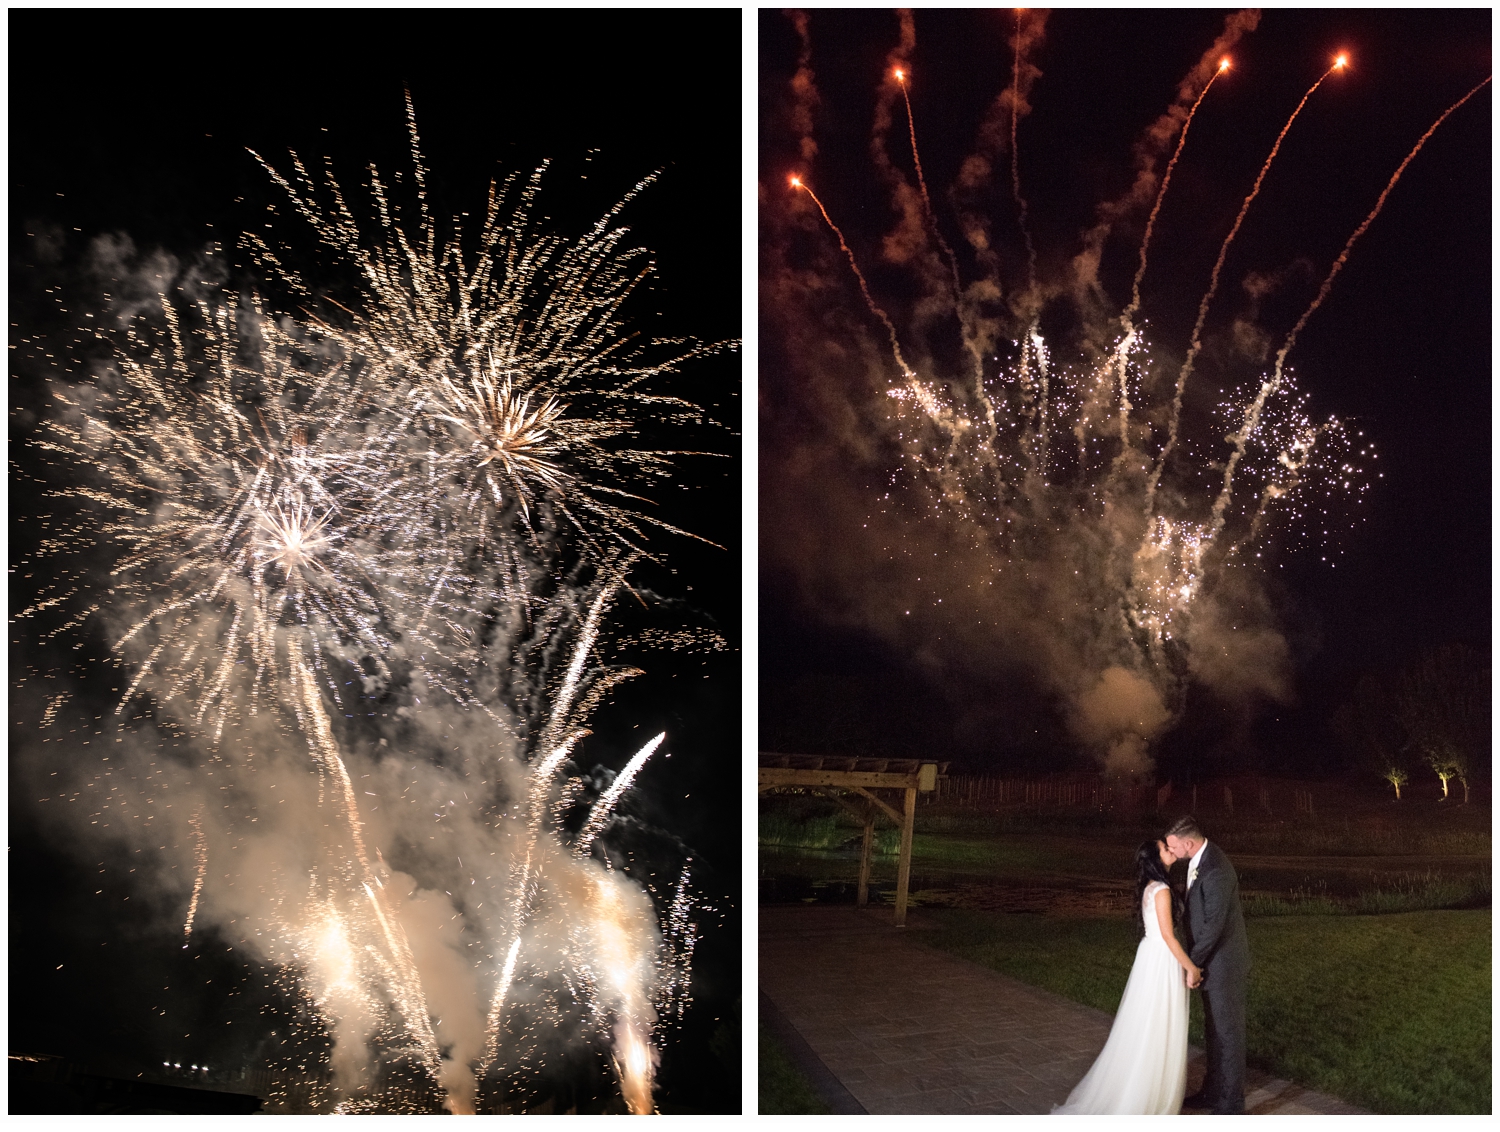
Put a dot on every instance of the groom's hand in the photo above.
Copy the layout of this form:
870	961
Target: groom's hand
1195	979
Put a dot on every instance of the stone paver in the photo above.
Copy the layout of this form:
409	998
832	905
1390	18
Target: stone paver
905	1028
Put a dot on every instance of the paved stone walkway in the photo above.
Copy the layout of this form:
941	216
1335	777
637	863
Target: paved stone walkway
905	1028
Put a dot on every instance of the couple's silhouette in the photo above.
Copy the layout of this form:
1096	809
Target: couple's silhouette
1143	1066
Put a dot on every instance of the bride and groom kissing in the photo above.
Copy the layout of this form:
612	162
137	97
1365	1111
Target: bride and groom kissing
1143	1066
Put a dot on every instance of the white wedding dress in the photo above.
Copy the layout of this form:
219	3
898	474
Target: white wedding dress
1142	1070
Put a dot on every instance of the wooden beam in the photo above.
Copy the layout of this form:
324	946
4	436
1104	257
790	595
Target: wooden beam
779	776
866	848
903	868
889	812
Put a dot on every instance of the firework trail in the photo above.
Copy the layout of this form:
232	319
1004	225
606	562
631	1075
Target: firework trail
864	287
1161	194
1127	318
804	89
1150	147
395	504
1015	163
1343	256
562	731
1031	343
497	1007
996	131
916	157
1270	385
1195	342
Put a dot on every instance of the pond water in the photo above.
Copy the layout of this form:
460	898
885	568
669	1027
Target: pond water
1089	883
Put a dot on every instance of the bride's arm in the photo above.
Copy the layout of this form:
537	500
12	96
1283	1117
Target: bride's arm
1163	901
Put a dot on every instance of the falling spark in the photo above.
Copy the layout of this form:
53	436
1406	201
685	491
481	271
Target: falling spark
200	858
53	704
606	803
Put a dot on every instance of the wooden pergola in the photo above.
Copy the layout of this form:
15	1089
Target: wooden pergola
839	776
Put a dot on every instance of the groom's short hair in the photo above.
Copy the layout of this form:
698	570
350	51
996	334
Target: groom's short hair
1186	826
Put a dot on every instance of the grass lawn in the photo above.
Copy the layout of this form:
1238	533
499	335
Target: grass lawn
1391	1013
783	1088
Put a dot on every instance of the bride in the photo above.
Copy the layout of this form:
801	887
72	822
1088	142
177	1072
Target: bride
1142	1069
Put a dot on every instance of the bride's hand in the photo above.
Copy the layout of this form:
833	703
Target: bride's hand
1194	975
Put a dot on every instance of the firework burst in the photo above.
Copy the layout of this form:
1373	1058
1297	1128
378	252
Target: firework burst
236	532
518	367
1071	479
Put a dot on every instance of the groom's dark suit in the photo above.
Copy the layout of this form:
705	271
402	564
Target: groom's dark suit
1216	943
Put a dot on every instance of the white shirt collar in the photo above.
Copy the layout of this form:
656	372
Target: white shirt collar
1198	856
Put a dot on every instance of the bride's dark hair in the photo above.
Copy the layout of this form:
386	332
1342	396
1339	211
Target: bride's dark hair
1148	868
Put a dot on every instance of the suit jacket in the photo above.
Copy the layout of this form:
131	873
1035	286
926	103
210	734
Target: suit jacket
1216	927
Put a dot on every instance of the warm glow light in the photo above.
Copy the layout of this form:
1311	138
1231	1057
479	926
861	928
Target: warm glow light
796	182
1341	61
900	75
1224	63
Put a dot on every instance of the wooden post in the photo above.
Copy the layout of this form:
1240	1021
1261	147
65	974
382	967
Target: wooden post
864	859
903	870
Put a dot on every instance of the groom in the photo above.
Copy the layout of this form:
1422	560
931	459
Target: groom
1216	943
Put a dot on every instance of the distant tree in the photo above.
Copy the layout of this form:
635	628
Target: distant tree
1444	761
1443	704
1369	730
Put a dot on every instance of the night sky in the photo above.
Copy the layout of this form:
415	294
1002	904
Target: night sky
140	127
1400	350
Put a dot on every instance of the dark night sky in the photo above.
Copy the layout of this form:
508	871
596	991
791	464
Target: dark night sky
140	126
1401	348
